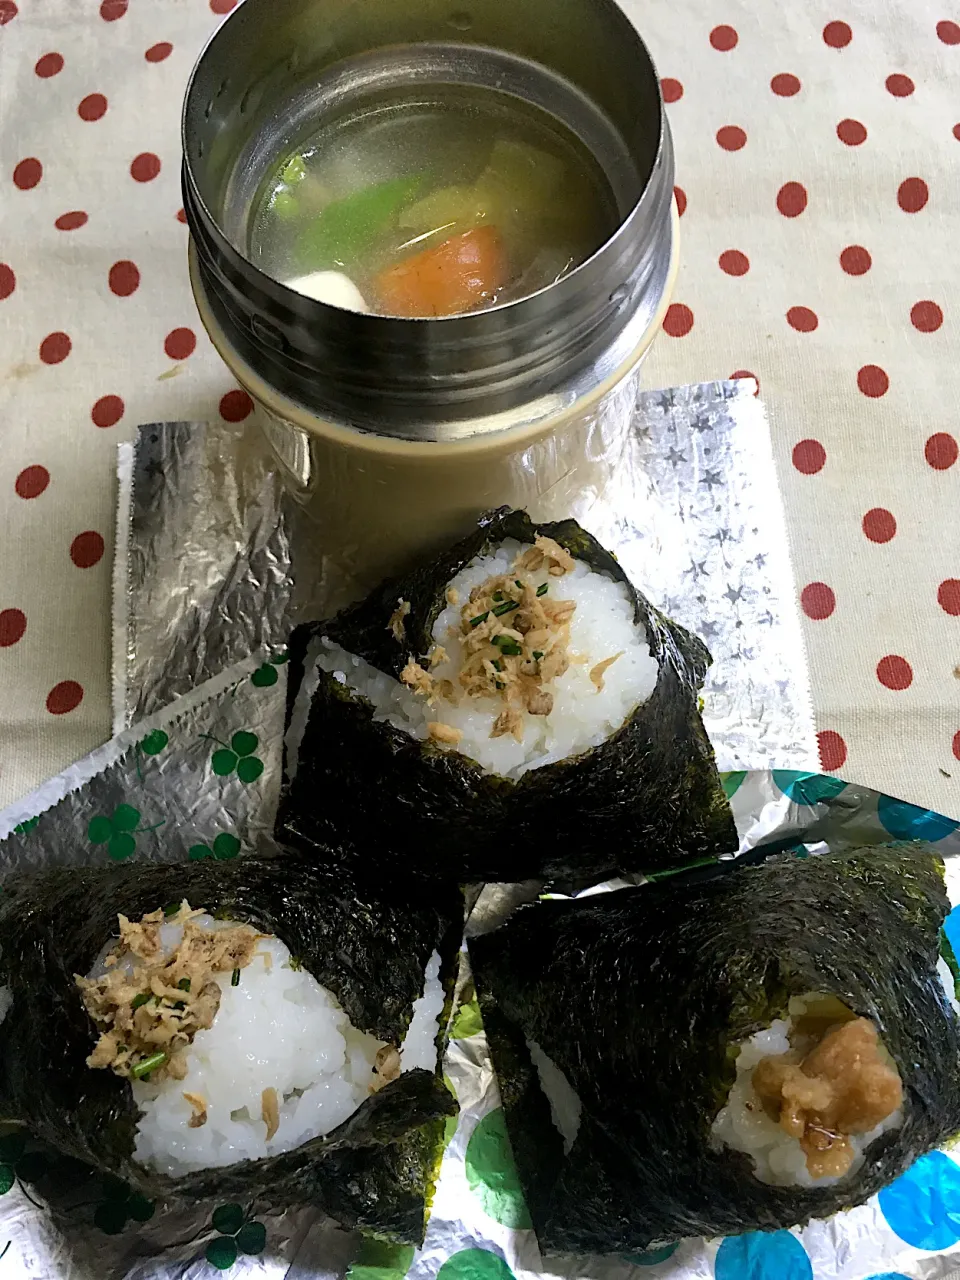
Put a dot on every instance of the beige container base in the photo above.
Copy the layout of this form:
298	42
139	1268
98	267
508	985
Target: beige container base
374	502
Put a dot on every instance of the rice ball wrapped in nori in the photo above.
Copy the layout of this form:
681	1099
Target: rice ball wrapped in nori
707	1058
514	709
282	1047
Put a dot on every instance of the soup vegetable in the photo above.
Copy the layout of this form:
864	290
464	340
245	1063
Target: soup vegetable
432	208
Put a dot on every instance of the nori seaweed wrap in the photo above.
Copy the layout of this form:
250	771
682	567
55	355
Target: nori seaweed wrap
375	1171
640	998
647	797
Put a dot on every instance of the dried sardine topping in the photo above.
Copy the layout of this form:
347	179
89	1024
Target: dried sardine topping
514	641
596	673
198	1104
270	1111
386	1067
417	678
396	624
150	1003
845	1085
444	733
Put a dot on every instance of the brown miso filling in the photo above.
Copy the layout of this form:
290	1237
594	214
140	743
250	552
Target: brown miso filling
515	639
837	1081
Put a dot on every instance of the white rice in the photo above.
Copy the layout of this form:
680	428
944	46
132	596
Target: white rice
582	717
278	1028
744	1125
565	1105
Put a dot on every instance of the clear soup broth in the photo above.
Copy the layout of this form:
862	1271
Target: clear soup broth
432	206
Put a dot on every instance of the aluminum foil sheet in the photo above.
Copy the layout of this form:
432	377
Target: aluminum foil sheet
694	520
162	768
215	561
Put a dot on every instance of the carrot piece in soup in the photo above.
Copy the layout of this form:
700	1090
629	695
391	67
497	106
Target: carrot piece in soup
461	274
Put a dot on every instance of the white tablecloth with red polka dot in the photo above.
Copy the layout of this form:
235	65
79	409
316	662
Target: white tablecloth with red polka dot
817	149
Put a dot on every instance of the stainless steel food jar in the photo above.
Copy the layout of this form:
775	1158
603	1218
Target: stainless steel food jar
395	433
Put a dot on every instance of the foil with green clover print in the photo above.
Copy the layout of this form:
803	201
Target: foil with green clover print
199	674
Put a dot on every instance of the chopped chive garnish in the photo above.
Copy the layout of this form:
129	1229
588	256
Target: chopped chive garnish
518	583
235	978
183	984
481	617
146	1065
498	595
139	1000
538	654
498	664
179	1005
507	646
171	908
542	589
501	609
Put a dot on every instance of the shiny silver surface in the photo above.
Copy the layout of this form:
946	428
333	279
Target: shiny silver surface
276	65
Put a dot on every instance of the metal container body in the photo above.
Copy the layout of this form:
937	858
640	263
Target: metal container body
395	433
275	66
374	501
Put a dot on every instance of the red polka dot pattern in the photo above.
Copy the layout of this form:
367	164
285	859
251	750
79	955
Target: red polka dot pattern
837	35
941	451
879	524
71	221
894	672
900	86
926	316
731	137
107	411
51	64
55	348
833	750
817	201
180	343
28	173
678	321
87	549
64	697
792	199
32	481
144	167
852	132
124	278
809	457
13	624
873	381
802	319
956	744
734	263
818	601
745	373
724	38
235	406
855	260
912	195
672	90
92	107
